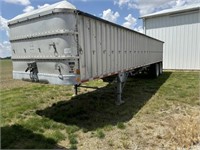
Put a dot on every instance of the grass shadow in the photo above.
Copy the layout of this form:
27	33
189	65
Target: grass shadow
17	137
97	109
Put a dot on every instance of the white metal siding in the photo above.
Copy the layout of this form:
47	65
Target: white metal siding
107	49
181	34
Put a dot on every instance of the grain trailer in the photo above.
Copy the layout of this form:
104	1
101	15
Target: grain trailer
61	45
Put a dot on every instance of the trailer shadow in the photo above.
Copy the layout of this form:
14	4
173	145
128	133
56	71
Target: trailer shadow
17	137
97	109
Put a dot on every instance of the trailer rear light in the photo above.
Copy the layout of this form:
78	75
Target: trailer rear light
77	71
78	80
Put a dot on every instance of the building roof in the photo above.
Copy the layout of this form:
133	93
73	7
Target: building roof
60	5
173	10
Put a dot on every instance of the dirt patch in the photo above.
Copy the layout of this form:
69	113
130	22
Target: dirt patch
179	129
10	84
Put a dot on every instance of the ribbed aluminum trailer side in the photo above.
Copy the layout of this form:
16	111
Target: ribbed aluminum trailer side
106	48
61	45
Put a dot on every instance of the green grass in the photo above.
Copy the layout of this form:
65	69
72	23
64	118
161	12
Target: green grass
100	134
40	116
18	137
73	146
121	125
72	129
57	136
72	138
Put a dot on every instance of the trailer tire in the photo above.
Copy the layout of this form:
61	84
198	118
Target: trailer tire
154	70
160	68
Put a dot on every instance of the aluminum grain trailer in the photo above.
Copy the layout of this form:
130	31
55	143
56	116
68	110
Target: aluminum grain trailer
61	45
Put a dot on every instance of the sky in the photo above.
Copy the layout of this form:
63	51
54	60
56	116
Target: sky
123	12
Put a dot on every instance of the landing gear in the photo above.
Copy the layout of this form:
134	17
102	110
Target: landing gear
75	90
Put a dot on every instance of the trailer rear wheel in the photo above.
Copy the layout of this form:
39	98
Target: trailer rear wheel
160	68
154	70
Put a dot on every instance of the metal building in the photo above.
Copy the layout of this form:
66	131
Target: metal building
179	28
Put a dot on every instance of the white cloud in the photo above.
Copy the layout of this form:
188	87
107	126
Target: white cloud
110	15
130	21
5	49
31	8
42	6
147	6
28	9
4	25
21	2
121	2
